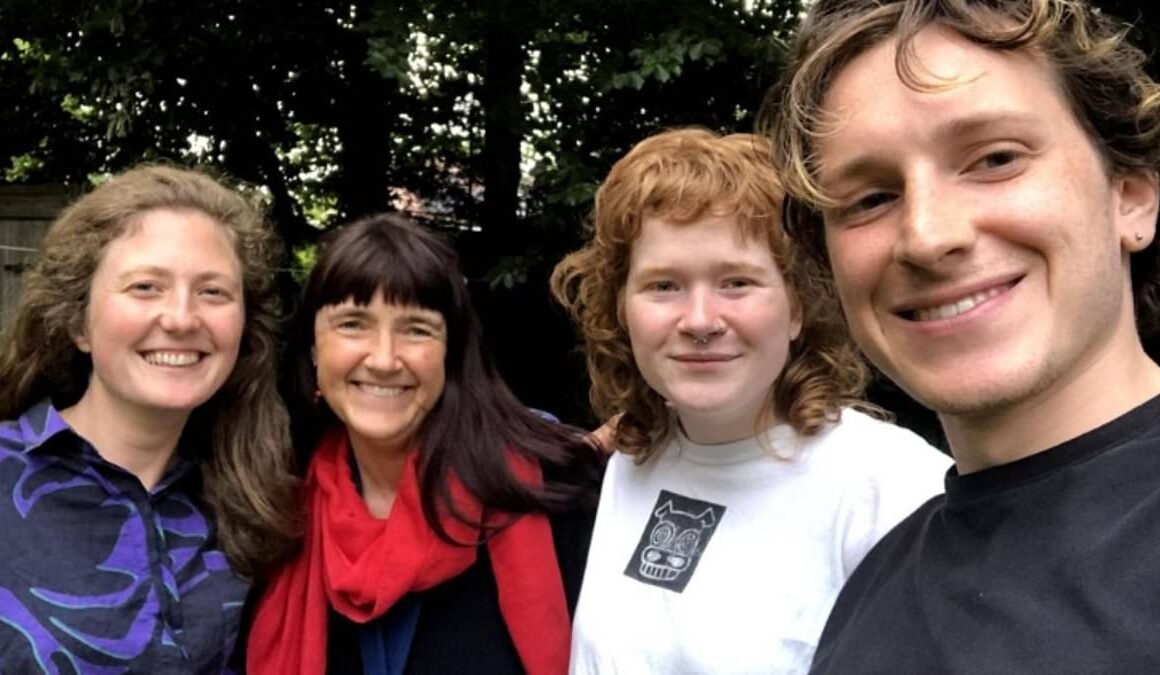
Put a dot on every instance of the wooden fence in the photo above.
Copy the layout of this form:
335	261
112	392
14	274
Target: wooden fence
26	211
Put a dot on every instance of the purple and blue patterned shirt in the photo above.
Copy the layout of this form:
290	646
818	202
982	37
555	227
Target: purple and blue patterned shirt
97	574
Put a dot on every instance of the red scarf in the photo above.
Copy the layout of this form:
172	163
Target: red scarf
362	566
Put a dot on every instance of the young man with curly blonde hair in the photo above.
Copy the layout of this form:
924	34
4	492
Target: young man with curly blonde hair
745	488
981	180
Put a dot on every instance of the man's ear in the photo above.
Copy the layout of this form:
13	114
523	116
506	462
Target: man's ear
1137	196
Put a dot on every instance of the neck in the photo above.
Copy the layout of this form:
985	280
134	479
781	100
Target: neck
1107	387
139	441
380	469
717	428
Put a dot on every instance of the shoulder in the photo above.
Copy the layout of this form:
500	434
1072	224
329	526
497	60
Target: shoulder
35	426
883	471
887	552
620	473
12	439
623	467
619	463
872	446
896	541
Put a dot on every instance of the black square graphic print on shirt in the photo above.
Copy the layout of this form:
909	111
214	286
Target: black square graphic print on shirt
677	533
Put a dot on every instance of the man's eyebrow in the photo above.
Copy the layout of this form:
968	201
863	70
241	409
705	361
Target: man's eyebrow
962	127
973	124
860	166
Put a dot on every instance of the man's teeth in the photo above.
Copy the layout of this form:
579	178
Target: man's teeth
375	390
172	358
953	309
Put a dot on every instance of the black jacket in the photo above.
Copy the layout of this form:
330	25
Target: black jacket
460	627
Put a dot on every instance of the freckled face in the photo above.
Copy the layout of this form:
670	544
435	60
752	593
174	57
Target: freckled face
710	321
979	246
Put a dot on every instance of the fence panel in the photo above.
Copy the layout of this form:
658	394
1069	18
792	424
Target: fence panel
26	211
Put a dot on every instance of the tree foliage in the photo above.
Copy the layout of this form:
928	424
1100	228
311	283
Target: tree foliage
499	115
494	120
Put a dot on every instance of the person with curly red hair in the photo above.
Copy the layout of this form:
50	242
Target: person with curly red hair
747	484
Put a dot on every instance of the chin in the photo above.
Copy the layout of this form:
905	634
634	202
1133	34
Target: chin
977	387
970	398
185	403
700	409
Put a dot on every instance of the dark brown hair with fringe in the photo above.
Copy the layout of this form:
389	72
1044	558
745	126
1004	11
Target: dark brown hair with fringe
476	418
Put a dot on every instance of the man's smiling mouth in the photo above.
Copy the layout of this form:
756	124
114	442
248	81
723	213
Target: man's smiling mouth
953	308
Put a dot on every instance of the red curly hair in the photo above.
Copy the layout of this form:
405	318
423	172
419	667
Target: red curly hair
681	175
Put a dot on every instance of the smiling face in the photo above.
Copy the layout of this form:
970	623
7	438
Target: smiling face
165	314
380	369
710	321
979	245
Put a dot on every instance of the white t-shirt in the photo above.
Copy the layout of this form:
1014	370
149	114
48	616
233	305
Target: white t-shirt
728	558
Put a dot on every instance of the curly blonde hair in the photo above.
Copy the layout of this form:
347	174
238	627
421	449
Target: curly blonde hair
247	475
1099	72
682	175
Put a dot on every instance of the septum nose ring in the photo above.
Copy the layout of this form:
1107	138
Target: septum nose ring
701	340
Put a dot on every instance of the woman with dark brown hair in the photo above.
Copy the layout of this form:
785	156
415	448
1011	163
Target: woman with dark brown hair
433	544
146	459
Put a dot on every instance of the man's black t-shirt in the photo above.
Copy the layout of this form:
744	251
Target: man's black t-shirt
1050	564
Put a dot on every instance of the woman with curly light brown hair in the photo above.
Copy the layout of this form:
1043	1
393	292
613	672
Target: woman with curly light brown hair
746	488
146	460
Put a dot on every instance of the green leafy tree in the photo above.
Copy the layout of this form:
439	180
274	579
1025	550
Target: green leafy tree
492	120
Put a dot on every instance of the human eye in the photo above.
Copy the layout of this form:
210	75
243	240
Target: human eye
349	324
420	324
419	330
144	288
997	159
860	207
737	283
217	294
661	286
997	163
870	202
